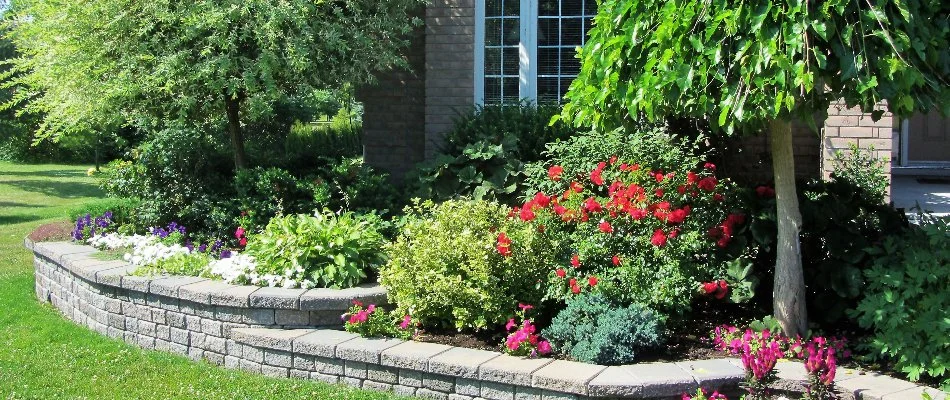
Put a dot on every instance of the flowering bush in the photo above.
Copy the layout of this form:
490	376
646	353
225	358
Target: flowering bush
373	321
523	339
593	330
87	227
641	235
821	365
323	250
464	264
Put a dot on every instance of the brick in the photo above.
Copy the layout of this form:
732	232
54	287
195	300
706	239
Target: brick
277	339
364	349
269	297
856	132
412	355
512	370
321	343
566	376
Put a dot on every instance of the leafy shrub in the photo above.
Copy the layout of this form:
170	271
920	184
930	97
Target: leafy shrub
325	250
485	152
185	264
638	234
839	221
309	147
906	300
444	266
592	329
652	146
263	193
862	169
122	211
356	186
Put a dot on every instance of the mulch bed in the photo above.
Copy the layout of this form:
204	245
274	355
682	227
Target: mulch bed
53	232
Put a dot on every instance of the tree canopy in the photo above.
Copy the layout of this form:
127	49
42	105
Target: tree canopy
93	63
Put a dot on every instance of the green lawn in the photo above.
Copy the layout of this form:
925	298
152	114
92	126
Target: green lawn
44	356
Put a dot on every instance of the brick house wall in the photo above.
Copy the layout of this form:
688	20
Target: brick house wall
450	66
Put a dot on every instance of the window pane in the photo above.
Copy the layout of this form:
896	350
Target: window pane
493	32
548	61
512	32
492	90
513	7
590	7
548	90
588	23
548	7
492	8
510	91
572	7
547	32
492	61
510	63
569	65
571	31
565	84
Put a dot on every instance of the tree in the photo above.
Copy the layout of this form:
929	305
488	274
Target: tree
94	63
749	66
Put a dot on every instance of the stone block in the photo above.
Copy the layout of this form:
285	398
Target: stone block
354	382
196	309
455	396
412	355
200	292
873	386
497	391
193	323
229	314
136	283
250	366
377	386
253	353
292	317
299	374
713	373
214	358
163	332
168	286
278	358
382	374
329	366
460	362
275	372
211	327
277	339
178	335
331	379
439	383
408	377
258	316
216	344
354	369
232	362
234	348
401	390
175	319
424	393
566	376
178	348
113	276
525	393
269	297
233	296
511	370
331	318
341	299
661	379
468	387
551	395
614	382
916	393
303	362
364	349
196	353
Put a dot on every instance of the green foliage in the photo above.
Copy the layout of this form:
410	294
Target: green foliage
862	168
374	321
191	264
485	153
839	221
308	143
334	251
445	269
650	145
123	210
356	186
906	301
147	63
263	193
743	65
593	330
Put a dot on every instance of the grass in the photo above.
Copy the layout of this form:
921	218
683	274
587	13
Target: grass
45	356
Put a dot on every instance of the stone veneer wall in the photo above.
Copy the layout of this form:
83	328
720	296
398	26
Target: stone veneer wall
272	332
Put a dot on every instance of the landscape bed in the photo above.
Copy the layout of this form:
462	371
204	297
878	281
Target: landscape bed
295	333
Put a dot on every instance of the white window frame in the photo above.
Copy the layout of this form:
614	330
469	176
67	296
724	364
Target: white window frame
527	51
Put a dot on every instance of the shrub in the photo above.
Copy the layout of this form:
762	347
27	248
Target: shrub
641	235
523	338
485	153
839	221
324	250
444	266
122	211
263	193
356	186
374	321
906	300
593	330
863	170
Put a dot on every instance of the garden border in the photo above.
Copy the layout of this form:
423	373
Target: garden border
276	332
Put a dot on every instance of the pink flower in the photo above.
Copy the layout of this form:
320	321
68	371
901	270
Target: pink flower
525	307
405	322
544	347
616	260
576	261
239	233
560	273
510	325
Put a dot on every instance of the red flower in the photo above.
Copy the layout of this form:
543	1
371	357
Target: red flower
708	183
504	245
575	289
658	193
710	287
722	290
592	205
577	187
659	238
605	227
541	200
616	260
560	272
239	233
678	216
691	177
243	242
505	251
572	282
595	175
576	261
613	160
673	233
765	191
659	177
526	214
559	209
681	189
718	197
592	281
638	213
555	172
710	166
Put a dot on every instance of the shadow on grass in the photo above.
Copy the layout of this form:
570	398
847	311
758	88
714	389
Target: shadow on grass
63	190
13	204
49	173
17	219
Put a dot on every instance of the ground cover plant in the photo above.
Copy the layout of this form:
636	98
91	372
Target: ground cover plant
46	356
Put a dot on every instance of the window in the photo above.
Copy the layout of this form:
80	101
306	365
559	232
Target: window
525	49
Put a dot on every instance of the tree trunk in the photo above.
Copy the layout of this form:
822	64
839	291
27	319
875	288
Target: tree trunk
788	293
233	106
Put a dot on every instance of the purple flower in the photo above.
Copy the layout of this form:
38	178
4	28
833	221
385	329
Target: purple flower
225	254
203	248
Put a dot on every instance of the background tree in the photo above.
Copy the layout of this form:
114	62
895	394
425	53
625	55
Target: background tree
756	66
95	63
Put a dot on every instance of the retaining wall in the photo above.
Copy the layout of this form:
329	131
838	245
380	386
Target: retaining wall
284	333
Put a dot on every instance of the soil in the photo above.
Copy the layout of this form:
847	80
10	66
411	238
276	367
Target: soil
52	232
